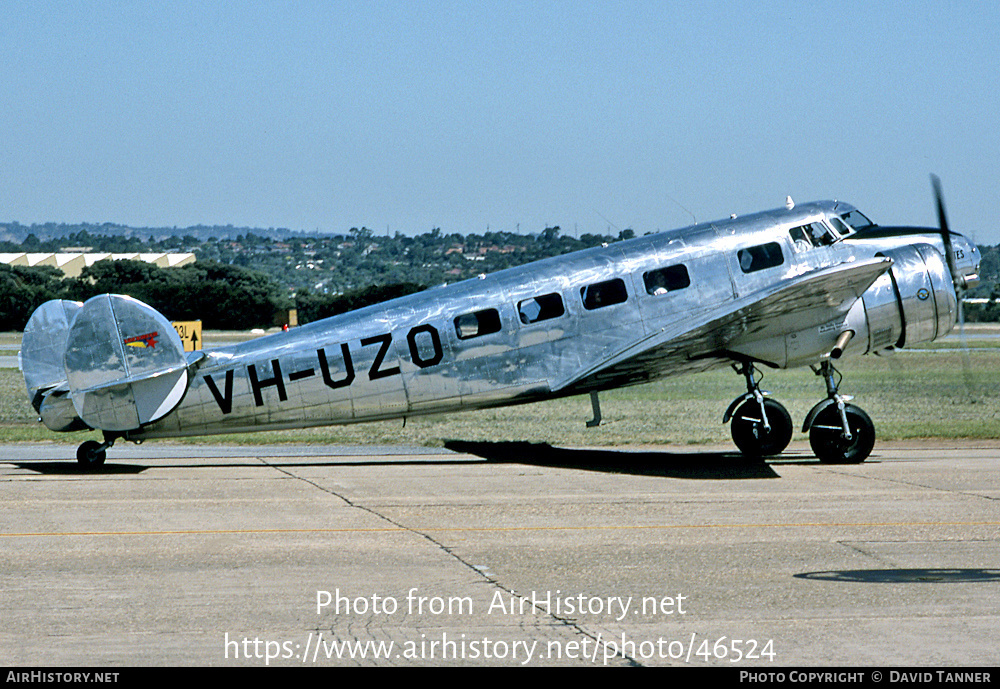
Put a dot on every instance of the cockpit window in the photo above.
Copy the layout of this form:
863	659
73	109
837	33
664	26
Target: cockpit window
842	228
806	237
857	220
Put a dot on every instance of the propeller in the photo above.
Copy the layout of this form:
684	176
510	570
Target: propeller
959	282
949	252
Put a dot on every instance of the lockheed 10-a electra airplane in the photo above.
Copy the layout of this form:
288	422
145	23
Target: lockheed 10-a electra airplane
800	285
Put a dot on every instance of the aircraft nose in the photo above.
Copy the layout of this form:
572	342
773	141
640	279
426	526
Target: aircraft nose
967	260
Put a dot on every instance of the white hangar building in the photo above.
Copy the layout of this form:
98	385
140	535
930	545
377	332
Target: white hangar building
72	264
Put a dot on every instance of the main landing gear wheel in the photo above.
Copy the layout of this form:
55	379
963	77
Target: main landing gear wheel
760	426
832	445
91	454
756	437
839	433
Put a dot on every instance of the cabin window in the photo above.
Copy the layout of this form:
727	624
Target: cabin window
540	308
478	323
602	294
663	280
756	258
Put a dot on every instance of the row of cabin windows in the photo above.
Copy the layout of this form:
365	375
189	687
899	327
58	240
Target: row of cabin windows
608	293
548	306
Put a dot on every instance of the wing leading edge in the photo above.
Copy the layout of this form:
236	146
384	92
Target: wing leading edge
701	343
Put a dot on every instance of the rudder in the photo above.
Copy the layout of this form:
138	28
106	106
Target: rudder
124	362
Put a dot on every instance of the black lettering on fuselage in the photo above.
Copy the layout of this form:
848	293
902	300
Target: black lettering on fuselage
417	354
225	402
300	375
258	385
436	355
324	367
376	372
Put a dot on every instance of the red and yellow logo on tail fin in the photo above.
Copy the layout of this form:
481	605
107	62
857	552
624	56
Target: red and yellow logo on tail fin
147	340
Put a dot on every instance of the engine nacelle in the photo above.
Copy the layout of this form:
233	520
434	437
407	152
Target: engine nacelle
914	302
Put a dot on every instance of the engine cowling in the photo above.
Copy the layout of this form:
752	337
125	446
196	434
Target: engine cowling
913	302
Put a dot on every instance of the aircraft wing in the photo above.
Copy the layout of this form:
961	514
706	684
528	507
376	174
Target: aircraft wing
699	343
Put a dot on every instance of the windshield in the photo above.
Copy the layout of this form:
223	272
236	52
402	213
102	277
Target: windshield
856	220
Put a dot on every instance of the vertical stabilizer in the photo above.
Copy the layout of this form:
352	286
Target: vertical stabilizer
43	346
125	364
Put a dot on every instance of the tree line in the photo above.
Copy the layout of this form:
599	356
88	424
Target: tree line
222	296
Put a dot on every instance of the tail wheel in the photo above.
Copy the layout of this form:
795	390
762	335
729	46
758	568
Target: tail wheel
750	434
91	454
826	437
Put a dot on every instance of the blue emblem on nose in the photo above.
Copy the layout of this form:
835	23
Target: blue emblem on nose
923	294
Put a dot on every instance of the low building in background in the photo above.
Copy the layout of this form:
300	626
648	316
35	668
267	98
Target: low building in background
72	264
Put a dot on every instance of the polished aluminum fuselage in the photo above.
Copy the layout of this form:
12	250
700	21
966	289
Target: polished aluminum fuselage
411	356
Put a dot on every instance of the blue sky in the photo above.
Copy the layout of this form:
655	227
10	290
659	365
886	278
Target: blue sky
503	115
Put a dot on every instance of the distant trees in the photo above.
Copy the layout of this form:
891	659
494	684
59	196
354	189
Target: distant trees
221	296
23	289
313	307
226	297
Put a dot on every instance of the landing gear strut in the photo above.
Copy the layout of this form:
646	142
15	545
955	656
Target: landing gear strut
760	426
92	454
839	433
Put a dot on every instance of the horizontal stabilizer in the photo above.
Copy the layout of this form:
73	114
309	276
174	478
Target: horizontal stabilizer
124	363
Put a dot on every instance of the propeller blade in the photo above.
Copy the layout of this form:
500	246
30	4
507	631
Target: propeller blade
939	200
949	252
959	282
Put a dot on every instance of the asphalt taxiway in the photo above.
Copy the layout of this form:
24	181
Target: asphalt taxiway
499	554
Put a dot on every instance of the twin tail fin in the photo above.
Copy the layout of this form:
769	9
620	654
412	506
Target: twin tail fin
112	363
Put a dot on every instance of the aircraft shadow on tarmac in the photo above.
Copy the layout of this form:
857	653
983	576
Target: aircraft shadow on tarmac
689	465
906	576
694	465
72	468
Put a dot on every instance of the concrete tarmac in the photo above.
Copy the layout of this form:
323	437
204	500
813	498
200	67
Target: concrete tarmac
500	554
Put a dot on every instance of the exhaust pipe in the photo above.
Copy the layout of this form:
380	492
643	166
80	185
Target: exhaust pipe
842	340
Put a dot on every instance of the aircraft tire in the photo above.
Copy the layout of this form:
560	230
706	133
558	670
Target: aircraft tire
748	432
90	454
827	441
